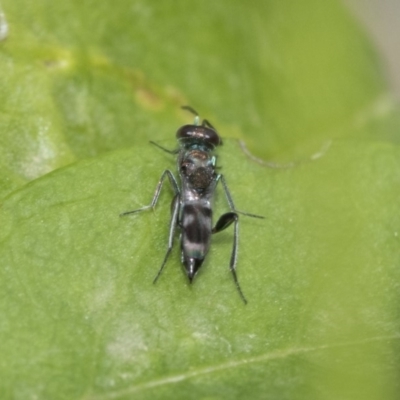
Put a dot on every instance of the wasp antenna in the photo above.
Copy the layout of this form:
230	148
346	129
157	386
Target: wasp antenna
207	123
190	109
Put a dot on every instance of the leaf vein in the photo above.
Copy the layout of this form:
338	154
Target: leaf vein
278	354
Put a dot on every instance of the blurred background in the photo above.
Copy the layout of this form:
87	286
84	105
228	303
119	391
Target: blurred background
381	18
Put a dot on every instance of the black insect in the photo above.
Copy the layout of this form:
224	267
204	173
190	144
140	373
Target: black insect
191	208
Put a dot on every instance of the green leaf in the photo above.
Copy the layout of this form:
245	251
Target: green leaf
299	85
83	314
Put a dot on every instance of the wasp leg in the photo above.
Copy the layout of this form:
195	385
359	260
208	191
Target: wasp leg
228	195
172	226
153	203
224	221
176	151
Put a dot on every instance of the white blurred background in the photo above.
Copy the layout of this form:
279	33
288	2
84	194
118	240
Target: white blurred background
381	19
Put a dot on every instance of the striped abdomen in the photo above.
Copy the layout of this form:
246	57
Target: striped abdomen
196	227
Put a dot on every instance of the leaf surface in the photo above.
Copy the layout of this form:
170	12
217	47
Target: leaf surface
85	85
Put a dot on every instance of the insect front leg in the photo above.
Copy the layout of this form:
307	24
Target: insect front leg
228	195
224	221
176	151
172	227
153	203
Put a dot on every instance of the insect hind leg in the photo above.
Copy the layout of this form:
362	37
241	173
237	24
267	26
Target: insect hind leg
172	228
224	222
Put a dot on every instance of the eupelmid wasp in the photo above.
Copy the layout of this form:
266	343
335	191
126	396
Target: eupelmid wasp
191	208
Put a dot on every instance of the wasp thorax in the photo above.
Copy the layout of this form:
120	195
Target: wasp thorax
198	168
201	177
